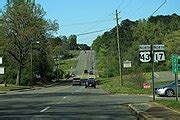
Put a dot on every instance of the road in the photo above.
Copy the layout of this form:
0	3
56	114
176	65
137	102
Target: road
85	62
68	102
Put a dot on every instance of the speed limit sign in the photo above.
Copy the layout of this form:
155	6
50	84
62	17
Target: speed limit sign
145	56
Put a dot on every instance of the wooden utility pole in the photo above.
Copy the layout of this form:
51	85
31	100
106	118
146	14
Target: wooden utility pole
119	50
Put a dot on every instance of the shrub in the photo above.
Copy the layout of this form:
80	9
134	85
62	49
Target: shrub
137	79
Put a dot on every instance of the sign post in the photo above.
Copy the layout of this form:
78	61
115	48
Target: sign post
152	53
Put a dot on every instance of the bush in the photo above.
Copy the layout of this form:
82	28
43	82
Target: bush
10	75
137	79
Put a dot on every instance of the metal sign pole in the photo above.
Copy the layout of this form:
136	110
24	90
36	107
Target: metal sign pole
153	84
176	81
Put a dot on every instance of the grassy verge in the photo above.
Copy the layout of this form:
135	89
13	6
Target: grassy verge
12	87
112	86
68	64
170	103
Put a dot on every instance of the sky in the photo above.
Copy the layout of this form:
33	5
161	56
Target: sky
84	16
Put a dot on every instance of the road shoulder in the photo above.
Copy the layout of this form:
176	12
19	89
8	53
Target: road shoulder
152	110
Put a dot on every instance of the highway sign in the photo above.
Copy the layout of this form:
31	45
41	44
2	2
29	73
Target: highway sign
1	70
159	56
145	56
144	47
175	64
127	64
158	47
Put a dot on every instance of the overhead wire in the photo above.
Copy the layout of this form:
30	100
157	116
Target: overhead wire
120	4
159	7
84	23
137	9
95	25
130	1
86	33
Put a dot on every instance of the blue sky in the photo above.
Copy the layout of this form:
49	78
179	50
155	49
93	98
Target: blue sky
81	16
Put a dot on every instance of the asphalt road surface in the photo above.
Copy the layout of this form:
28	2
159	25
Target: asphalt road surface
68	102
85	62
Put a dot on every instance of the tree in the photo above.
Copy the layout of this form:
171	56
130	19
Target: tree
24	25
73	42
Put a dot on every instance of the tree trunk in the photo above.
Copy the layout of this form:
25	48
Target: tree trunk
18	79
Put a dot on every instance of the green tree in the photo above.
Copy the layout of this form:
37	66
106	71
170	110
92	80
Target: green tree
24	25
73	42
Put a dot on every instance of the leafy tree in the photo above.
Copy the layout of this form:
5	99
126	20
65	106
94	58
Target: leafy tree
155	30
73	42
24	25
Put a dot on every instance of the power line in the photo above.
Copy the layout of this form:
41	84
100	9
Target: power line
92	32
127	5
159	7
121	4
137	9
90	22
96	24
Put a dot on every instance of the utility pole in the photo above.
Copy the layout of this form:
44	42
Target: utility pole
119	50
31	83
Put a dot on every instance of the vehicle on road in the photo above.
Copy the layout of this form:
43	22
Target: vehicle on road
168	90
91	82
91	72
76	81
85	71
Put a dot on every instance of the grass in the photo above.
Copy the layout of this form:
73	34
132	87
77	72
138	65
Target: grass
67	64
170	103
160	83
112	86
12	87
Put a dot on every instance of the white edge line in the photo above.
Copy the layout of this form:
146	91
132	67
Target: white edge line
43	110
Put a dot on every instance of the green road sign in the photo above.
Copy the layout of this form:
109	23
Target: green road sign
175	64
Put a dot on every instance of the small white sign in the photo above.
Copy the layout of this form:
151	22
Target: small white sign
159	56
1	70
127	64
144	47
145	56
0	60
158	47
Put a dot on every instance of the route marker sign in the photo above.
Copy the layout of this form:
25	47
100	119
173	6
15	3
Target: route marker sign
144	47
150	53
158	47
145	53
145	56
159	56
